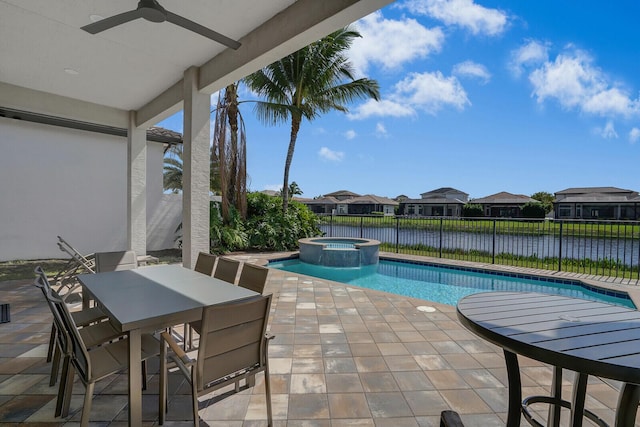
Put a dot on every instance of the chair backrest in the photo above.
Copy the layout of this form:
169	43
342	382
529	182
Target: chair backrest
85	261
205	263
226	269
232	338
114	261
42	282
68	334
253	277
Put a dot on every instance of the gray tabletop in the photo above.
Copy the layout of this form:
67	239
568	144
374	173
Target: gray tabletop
156	296
584	336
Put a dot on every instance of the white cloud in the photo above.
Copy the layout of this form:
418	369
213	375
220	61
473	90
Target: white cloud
380	130
382	108
429	92
464	13
576	83
390	43
608	132
532	53
611	101
472	69
634	135
330	155
350	134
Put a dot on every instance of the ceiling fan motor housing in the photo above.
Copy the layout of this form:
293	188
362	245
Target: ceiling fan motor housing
152	11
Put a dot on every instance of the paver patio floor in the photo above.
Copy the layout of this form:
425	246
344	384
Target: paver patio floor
342	356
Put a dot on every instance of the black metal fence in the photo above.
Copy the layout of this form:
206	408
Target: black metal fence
603	248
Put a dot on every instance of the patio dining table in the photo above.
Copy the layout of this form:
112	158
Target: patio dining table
586	337
151	298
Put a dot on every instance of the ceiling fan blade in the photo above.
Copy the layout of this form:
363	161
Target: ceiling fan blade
112	21
203	31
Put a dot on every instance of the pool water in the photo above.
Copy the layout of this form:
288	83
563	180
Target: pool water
445	285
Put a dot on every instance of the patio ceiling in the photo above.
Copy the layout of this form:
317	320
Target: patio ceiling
51	66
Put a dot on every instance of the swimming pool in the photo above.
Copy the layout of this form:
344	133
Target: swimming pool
444	284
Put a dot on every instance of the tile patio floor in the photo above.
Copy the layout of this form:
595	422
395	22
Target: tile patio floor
342	356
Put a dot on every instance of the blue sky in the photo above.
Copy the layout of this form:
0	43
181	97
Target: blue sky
483	96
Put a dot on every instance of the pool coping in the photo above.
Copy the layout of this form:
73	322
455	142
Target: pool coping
598	284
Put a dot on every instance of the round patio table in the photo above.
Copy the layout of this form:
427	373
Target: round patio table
587	337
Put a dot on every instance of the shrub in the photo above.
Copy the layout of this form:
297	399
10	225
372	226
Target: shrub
268	229
226	237
533	210
471	210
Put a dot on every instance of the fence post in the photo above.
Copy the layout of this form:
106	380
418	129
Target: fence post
440	246
361	226
331	226
397	235
493	244
560	247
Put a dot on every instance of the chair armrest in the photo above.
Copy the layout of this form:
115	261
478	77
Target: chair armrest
268	336
177	350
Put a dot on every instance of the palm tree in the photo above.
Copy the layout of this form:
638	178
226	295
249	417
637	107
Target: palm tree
172	175
228	153
294	189
314	80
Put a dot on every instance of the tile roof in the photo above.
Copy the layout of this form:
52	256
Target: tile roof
340	193
434	201
371	198
504	198
159	134
591	190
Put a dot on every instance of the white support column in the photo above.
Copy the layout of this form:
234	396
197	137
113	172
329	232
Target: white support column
136	187
195	170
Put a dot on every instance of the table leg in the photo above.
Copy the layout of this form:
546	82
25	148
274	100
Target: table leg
553	419
135	378
627	405
86	299
515	389
578	399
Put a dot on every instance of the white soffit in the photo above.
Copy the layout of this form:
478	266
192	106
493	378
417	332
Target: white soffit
141	64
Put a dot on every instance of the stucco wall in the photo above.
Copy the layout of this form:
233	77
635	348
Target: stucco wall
58	181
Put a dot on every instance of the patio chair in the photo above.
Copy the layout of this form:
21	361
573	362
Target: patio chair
253	277
233	346
90	365
94	330
65	280
115	261
205	263
226	269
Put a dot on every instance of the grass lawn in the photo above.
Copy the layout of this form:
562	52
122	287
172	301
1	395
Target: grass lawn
23	269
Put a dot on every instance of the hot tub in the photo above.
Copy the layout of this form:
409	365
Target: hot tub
339	251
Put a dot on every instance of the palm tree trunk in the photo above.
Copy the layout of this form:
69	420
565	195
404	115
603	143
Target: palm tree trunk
295	127
231	101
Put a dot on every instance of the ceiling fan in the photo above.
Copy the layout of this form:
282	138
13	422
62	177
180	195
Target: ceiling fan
153	12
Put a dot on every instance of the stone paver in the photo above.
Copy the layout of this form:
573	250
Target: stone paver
342	356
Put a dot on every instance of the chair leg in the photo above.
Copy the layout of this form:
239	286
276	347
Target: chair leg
52	343
62	388
55	366
267	390
162	398
86	409
67	390
144	374
194	395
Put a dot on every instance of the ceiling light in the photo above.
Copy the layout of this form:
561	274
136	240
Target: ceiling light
71	71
